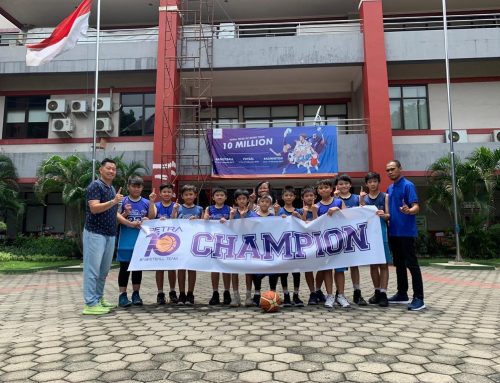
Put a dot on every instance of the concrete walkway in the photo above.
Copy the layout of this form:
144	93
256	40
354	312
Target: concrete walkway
43	337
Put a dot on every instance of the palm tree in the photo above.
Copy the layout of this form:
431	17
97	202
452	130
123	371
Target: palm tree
9	189
126	170
69	176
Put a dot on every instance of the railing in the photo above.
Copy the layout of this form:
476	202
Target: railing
478	20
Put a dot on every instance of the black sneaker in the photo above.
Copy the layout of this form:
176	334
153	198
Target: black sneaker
286	300
190	298
358	298
227	298
296	300
399	298
375	298
172	296
256	300
215	300
182	298
313	299
320	297
383	301
160	299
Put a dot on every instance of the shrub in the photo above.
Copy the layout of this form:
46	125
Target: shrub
48	246
7	256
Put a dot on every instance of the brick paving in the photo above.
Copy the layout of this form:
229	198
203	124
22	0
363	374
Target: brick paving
44	338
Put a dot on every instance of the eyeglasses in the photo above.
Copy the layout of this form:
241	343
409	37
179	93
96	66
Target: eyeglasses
390	170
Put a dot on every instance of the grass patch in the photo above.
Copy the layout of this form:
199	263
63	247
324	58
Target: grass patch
30	266
427	261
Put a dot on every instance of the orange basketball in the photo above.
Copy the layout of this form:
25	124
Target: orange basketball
166	244
270	301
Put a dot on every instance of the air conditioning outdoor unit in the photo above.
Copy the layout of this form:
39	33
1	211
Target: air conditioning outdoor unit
496	135
104	125
55	106
103	104
79	106
61	125
459	136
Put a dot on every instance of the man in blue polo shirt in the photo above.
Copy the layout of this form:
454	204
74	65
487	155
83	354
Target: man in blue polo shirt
403	208
99	237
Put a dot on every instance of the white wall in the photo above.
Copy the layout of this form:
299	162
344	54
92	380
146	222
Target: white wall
475	105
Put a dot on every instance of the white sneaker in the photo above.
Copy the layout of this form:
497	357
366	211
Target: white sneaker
329	301
249	301
236	302
342	301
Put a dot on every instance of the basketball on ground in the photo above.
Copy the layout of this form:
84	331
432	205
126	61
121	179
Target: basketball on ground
270	301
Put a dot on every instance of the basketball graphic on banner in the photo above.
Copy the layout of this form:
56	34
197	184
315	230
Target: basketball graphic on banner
167	244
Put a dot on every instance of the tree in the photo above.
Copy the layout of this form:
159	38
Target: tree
477	179
126	170
9	189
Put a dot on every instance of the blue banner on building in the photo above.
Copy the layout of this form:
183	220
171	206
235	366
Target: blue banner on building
301	150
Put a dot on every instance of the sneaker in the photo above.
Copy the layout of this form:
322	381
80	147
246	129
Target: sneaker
375	298
190	298
95	310
399	298
383	301
329	301
123	300
320	296
416	304
296	300
172	296
313	299
236	301
160	299
105	303
215	300
342	301
249	301
182	299
256	300
286	300
227	298
358	298
136	299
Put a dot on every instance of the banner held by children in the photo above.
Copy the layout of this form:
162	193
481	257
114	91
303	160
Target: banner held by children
307	150
350	237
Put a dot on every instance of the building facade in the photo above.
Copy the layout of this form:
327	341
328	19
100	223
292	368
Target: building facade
172	70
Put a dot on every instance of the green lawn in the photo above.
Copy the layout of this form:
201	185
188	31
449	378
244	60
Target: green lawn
34	265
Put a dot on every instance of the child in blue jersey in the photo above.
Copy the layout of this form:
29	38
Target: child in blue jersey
309	213
330	205
219	211
343	184
242	199
288	209
187	210
133	211
163	210
379	273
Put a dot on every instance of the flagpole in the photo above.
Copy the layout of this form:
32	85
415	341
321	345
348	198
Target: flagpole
96	89
458	256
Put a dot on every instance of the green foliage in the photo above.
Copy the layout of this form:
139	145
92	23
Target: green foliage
3	227
9	257
9	189
51	247
427	245
124	171
479	241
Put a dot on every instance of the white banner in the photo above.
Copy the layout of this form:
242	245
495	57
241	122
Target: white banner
350	237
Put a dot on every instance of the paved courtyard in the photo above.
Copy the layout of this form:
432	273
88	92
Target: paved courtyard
43	337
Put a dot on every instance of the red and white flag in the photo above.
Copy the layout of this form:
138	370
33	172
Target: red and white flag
64	37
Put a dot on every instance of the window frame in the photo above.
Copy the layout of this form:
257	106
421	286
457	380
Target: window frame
143	107
401	100
24	126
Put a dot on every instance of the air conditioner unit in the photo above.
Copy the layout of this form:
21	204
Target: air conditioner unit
496	135
103	104
459	136
104	125
79	106
61	125
55	106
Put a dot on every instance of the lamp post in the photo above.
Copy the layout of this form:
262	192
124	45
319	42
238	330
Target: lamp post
458	257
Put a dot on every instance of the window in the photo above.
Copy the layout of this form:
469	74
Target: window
227	118
266	116
409	107
334	114
25	117
137	114
47	218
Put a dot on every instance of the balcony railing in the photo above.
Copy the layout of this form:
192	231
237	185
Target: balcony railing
466	21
